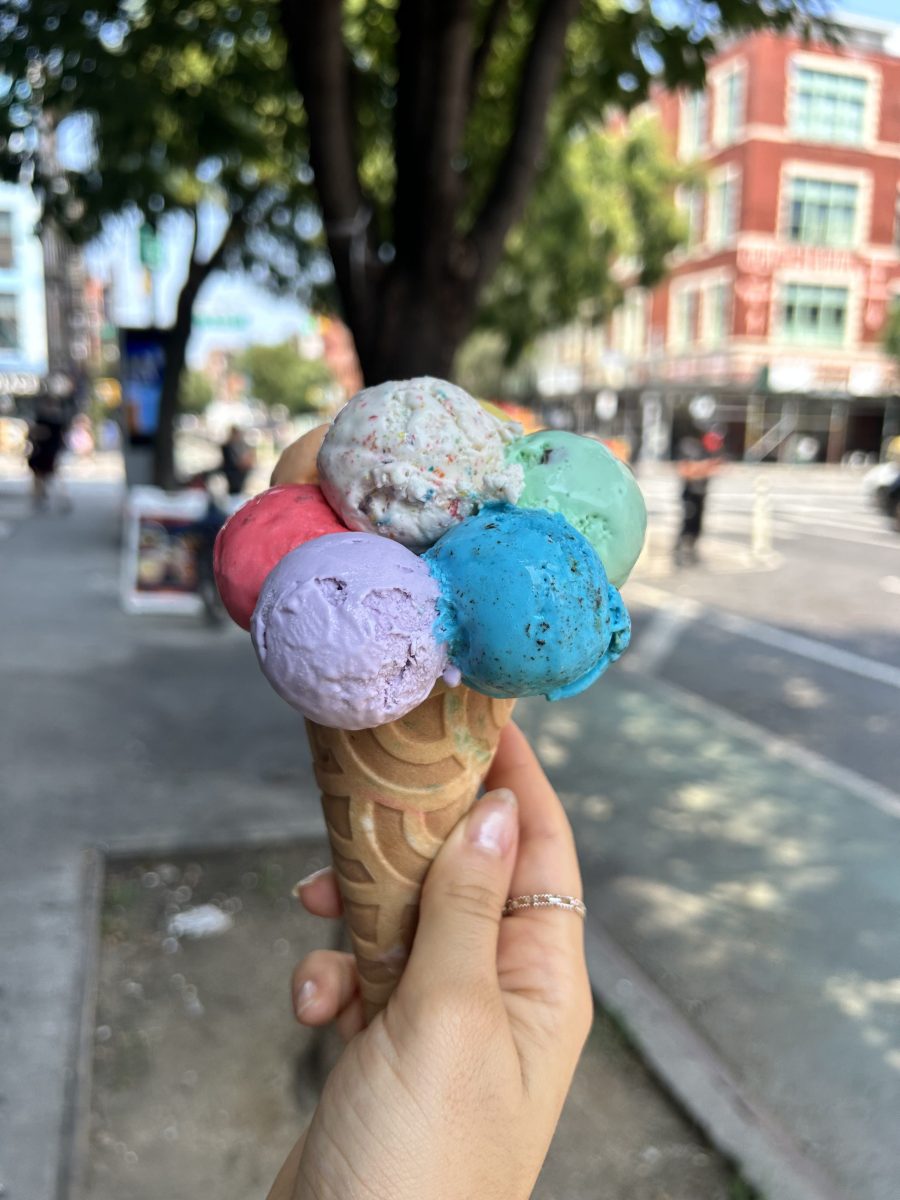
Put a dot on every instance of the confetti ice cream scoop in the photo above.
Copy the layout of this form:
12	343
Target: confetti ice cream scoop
408	460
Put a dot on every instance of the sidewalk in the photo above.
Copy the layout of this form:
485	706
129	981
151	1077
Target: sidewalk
760	897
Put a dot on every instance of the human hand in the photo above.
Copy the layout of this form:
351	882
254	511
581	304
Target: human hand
455	1090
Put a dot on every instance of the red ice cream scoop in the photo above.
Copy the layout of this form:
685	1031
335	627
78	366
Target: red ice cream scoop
260	534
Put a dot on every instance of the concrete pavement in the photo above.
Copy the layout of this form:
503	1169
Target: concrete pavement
760	896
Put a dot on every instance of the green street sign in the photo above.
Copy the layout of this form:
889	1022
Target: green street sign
220	321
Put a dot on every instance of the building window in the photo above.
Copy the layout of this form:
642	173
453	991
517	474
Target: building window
718	313
814	314
822	213
729	110
694	122
691	202
6	240
687	310
9	323
723	210
828	107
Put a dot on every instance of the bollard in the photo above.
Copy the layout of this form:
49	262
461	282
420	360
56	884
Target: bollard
761	522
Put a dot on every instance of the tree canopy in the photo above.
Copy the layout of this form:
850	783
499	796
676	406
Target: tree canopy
195	391
602	215
278	375
376	155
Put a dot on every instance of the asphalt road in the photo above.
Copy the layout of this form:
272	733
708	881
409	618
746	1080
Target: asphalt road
800	635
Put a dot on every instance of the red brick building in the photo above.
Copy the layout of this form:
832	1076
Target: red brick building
777	306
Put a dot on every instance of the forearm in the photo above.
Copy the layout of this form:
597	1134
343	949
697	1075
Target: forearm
284	1187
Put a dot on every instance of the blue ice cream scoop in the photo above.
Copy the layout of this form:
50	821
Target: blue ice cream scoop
526	608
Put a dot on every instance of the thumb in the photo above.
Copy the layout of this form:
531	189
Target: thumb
463	897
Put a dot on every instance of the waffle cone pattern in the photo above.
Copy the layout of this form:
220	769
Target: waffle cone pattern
391	795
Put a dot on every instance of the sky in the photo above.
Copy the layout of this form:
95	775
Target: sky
884	10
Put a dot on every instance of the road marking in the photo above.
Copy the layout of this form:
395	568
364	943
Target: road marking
775	746
780	639
657	643
890	583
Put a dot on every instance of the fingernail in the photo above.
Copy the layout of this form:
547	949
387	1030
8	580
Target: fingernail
492	822
305	997
306	881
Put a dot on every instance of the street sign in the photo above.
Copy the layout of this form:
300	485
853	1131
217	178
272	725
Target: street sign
220	321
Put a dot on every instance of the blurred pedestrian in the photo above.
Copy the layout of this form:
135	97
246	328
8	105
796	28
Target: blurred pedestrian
238	460
698	462
46	439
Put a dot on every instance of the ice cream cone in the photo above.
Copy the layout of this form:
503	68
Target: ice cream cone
391	795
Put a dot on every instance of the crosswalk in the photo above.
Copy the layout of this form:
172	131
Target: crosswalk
749	509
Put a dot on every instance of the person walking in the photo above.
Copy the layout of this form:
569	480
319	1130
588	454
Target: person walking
238	460
46	439
698	462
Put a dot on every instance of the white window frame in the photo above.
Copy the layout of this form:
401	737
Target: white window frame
686	195
832	65
712	282
829	173
15	297
855	286
688	147
717	239
719	80
11	213
679	291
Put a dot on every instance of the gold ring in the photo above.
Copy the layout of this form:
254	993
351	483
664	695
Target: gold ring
544	900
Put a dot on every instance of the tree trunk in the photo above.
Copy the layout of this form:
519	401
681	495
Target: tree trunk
419	328
176	353
411	317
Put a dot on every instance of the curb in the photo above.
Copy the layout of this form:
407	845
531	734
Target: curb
75	1127
700	1081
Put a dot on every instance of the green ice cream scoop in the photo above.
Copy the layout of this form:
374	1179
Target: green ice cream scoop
594	491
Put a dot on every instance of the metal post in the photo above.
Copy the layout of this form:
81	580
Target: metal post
761	522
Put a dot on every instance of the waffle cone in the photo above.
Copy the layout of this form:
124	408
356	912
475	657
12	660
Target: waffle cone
390	796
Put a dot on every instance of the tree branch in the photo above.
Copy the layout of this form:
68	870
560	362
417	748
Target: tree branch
495	19
176	347
506	200
319	63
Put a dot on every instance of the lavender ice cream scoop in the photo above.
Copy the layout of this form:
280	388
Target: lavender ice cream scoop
343	630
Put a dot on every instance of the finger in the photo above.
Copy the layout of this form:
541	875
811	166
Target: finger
322	986
284	1187
541	950
352	1019
462	899
319	895
547	860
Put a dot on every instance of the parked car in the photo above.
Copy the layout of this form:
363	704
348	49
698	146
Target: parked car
878	482
892	501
